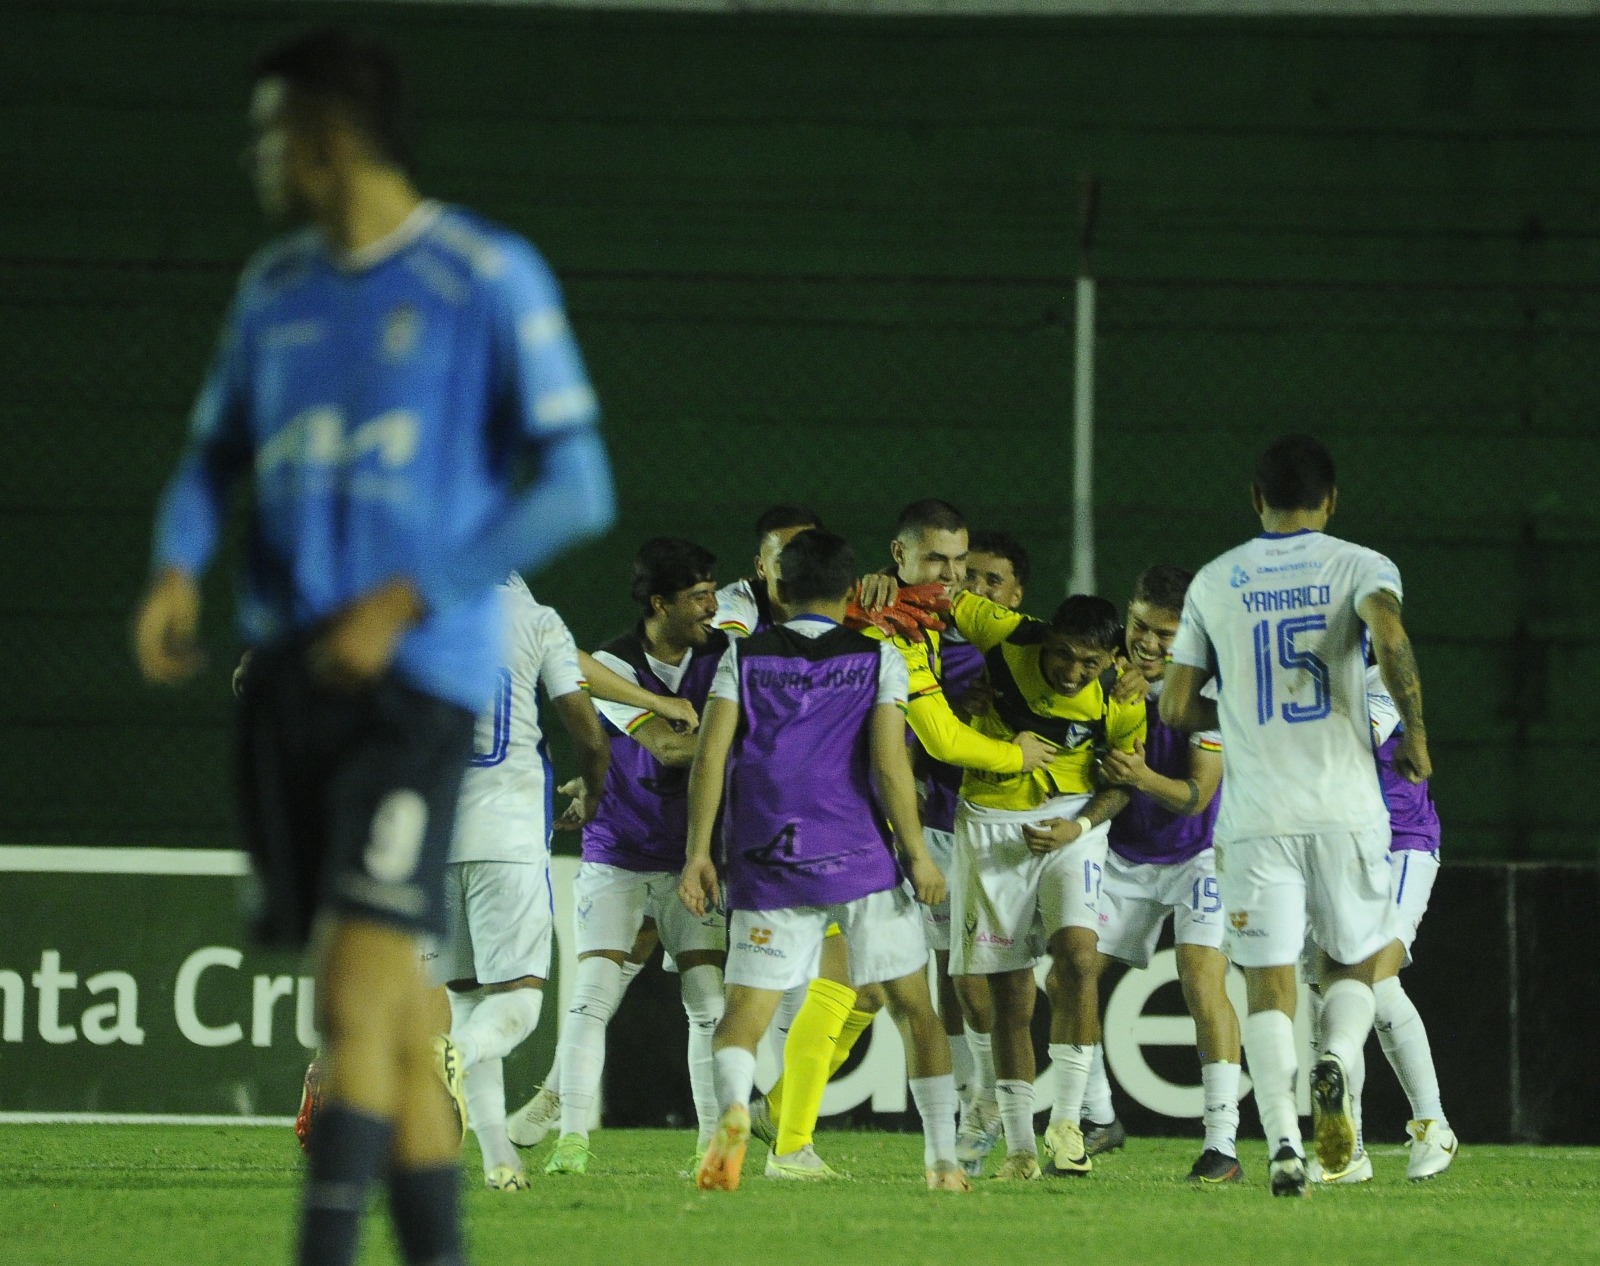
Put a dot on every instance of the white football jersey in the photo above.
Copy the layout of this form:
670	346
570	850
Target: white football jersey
738	612
1274	620
504	813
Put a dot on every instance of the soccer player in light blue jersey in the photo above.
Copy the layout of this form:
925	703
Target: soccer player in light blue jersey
385	377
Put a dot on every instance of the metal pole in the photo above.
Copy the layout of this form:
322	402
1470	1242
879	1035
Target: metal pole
1082	577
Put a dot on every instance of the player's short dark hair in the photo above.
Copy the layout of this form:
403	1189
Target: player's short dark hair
928	515
779	518
331	67
1295	473
817	566
667	565
1163	586
1088	622
1003	545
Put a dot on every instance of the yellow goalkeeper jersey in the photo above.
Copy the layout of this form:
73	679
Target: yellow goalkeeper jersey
945	736
1024	700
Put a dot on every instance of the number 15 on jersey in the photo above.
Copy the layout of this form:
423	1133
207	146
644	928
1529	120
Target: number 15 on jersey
1276	656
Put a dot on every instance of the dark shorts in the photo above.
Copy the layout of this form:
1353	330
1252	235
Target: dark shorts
347	799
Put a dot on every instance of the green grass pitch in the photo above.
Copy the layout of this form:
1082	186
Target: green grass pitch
84	1195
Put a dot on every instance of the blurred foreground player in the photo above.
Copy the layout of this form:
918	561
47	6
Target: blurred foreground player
381	377
806	852
1303	833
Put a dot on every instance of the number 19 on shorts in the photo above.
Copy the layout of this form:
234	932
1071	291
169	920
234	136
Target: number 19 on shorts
1289	658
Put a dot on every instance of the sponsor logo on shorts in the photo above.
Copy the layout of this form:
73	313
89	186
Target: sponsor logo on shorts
760	942
1240	920
989	938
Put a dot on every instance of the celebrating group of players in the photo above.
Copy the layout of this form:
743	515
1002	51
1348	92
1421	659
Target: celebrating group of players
800	760
788	769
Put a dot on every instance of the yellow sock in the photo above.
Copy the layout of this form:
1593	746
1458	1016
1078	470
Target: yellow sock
808	1056
855	1024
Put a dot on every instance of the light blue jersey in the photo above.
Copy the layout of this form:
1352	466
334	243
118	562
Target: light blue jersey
387	404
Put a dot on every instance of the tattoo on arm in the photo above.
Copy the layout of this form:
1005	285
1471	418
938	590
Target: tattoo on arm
1405	685
1193	800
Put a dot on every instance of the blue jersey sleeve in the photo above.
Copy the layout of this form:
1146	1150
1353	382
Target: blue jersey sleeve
544	386
189	518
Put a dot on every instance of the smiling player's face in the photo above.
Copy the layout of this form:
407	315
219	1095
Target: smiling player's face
688	615
1066	667
993	577
932	557
1149	638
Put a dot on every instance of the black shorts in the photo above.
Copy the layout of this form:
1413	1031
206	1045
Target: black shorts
347	799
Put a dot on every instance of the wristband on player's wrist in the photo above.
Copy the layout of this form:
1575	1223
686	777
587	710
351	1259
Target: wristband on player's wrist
1085	824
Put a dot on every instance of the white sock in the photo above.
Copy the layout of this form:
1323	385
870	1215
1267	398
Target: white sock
961	1064
788	1007
462	1005
935	1098
1097	1105
583	1040
1071	1063
1269	1045
486	1110
1016	1115
702	1002
552	1079
1358	1084
981	1047
1348	1008
735	1074
1404	1039
497	1025
1220	1084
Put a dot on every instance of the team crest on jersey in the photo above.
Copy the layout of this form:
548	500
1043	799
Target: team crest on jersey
402	328
1240	920
1077	734
1240	577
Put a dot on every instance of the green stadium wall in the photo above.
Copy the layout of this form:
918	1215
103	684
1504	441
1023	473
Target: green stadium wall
831	260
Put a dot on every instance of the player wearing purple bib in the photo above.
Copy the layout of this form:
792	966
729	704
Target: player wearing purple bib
633	849
1413	867
803	747
1160	864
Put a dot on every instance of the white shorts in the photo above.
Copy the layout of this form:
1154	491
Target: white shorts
1136	897
1273	886
611	905
1006	900
779	949
500	918
936	919
1411	876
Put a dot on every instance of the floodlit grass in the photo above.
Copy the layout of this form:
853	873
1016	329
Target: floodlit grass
83	1195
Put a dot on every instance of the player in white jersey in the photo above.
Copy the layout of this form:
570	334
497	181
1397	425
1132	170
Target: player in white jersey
1303	829
750	603
495	957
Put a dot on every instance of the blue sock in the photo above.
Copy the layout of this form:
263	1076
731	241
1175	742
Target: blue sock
348	1150
424	1205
